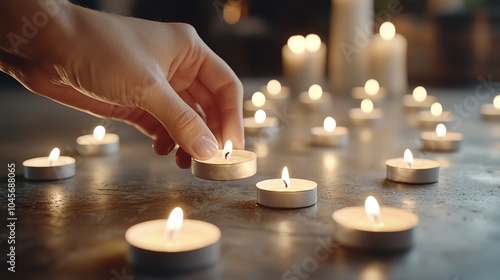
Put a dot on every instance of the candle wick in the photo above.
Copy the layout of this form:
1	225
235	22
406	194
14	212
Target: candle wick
409	164
286	185
226	155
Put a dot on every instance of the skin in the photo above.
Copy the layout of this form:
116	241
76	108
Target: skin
159	77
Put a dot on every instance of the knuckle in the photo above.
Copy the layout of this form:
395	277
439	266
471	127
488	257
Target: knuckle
186	123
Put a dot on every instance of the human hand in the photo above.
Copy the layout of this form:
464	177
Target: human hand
160	77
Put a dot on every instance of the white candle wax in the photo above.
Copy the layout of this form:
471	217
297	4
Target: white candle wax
394	231
303	65
421	171
241	164
388	60
42	168
350	32
197	245
300	193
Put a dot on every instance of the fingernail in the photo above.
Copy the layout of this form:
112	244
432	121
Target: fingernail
205	147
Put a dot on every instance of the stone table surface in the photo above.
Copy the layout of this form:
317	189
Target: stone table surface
74	228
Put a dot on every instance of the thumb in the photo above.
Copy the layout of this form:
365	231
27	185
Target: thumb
183	124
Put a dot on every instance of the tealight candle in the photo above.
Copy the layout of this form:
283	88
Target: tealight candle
275	92
418	100
259	122
315	97
227	164
330	134
53	167
371	90
434	116
366	114
304	61
175	244
491	111
286	192
98	143
257	102
413	171
441	140
374	228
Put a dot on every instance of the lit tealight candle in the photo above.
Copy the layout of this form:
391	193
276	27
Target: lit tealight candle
441	140
374	228
53	167
491	111
371	90
259	122
315	97
98	143
366	114
227	164
175	244
257	102
286	192
434	116
418	100
275	92
412	171
304	61
330	134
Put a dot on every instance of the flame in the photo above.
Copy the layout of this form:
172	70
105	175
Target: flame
419	94
285	177
329	124
260	116
313	42
366	106
174	223
372	87
273	87
99	132
297	44
228	150
232	12
441	130
372	210
258	99
54	154
387	31
315	92
408	157
436	109
496	102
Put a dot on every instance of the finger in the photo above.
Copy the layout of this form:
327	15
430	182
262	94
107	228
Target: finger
182	159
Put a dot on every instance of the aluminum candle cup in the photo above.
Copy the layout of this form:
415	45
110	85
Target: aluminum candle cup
196	246
490	112
238	165
98	143
440	140
353	229
419	171
300	193
53	167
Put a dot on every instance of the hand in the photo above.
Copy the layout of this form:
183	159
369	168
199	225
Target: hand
160	77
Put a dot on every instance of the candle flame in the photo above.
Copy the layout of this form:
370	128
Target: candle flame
260	116
313	42
329	124
419	94
285	177
372	87
258	99
436	109
54	154
408	157
297	44
99	132
228	150
387	31
496	102
315	92
372	210
441	130
273	87
174	223
366	106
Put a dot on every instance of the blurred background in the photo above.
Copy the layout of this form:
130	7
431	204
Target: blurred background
450	42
